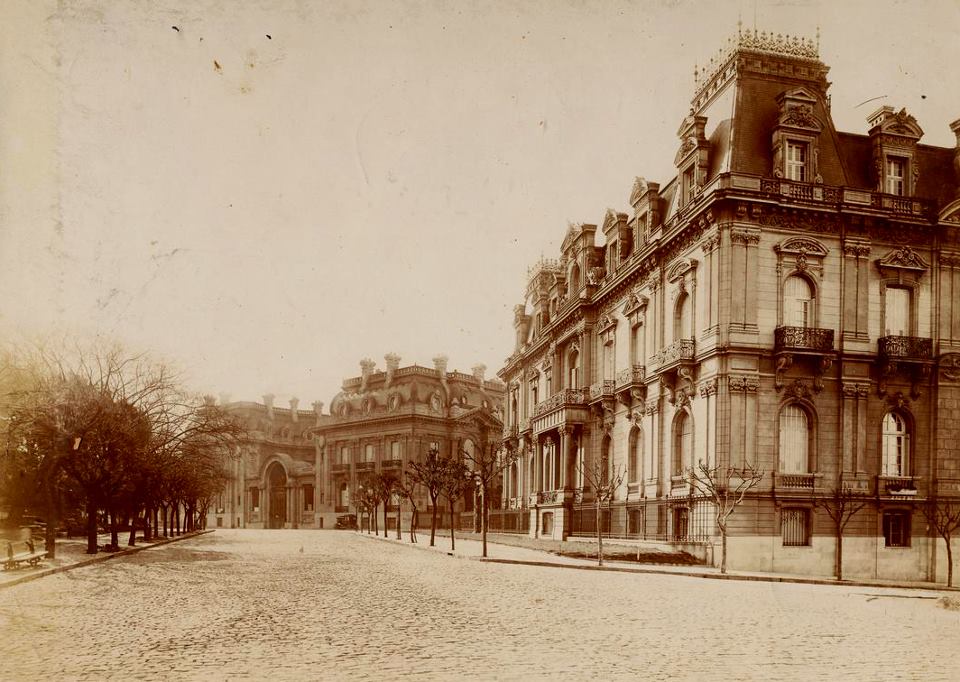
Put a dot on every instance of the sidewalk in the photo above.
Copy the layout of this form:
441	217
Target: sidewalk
71	553
509	554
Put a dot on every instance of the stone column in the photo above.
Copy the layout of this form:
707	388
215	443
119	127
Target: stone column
566	438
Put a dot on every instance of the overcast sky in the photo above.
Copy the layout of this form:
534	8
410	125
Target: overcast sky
273	190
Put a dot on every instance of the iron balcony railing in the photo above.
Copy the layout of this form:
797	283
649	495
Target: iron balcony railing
803	338
905	348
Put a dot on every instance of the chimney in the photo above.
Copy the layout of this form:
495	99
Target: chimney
224	399
294	402
268	401
366	369
318	410
440	364
393	364
478	371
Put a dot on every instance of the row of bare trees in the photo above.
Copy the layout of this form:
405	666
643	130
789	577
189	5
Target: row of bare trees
107	436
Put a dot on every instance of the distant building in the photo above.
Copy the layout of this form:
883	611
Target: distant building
790	299
302	469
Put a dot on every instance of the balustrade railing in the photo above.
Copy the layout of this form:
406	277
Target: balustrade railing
365	466
568	396
682	349
631	375
601	389
896	485
798	481
803	338
906	347
339	467
391	464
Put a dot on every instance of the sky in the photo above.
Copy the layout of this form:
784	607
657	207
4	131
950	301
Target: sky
263	193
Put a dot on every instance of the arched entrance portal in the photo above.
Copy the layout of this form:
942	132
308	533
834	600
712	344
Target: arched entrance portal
277	484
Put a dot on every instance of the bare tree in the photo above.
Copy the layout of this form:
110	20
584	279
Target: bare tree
604	484
384	485
715	484
364	499
409	489
457	481
840	503
944	516
486	462
431	473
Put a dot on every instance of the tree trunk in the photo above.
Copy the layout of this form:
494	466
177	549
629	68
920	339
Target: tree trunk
599	539
399	537
132	541
114	531
53	518
453	542
414	521
946	537
147	527
483	519
723	543
838	569
91	527
386	506
433	522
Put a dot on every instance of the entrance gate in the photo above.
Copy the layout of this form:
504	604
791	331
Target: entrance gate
277	482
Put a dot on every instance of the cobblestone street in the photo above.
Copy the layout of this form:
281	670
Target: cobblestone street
252	605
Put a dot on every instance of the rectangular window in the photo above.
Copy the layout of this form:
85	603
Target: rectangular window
368	454
796	161
344	455
255	498
395	450
689	185
794	524
896	528
308	498
896	172
897	311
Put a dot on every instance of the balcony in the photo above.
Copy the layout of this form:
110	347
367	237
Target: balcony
510	431
629	384
794	481
909	348
341	509
909	354
568	396
896	486
391	464
339	468
800	339
366	466
811	342
602	390
679	351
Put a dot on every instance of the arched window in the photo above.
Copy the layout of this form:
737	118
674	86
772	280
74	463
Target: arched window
573	378
896	445
683	318
794	440
682	443
574	286
636	455
798	302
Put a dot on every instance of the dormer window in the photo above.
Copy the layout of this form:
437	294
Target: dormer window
796	161
689	185
896	174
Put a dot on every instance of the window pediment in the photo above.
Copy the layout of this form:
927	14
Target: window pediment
680	269
902	259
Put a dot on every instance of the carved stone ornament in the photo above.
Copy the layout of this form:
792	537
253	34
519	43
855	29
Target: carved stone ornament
950	366
743	384
744	236
798	389
436	403
904	258
708	387
898	400
393	402
800	116
652	406
606	322
856	249
595	275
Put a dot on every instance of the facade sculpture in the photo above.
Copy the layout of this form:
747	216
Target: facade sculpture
789	300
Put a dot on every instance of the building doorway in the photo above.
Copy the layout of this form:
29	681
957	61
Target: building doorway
277	483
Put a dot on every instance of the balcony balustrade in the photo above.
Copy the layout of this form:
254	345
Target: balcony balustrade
905	348
631	375
391	464
339	467
365	466
510	431
896	485
568	396
803	482
803	339
524	425
602	389
679	350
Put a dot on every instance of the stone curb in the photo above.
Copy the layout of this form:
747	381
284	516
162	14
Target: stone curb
435	549
99	559
799	580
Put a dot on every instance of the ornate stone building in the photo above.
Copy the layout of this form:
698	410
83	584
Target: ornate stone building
788	299
301	469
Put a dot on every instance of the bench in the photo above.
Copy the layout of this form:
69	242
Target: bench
32	556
